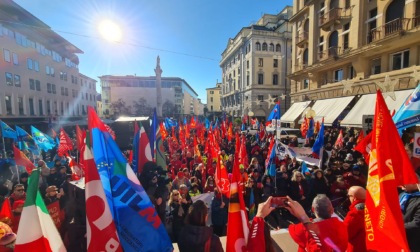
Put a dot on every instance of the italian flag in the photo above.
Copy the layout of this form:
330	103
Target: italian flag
37	231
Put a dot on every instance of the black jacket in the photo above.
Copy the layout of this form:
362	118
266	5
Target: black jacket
193	238
412	223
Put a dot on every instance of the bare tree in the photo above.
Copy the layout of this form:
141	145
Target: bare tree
141	108
168	109
120	108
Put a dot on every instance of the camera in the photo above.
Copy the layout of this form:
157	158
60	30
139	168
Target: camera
278	202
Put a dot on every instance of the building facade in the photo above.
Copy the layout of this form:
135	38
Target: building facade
348	48
39	69
131	89
214	98
254	67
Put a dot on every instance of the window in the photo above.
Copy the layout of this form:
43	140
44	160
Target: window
9	79
247	64
211	99
38	85
15	59
260	78
211	92
275	62
62	108
346	27
49	89
8	99
271	47
6	55
376	66
29	62
20	105
351	73
62	90
321	45
264	46
31	84
52	73
258	45
305	83
66	92
275	79
260	97
247	80
278	48
31	107
400	60
36	65
338	75
260	62
17	80
47	70
41	109
347	4
48	107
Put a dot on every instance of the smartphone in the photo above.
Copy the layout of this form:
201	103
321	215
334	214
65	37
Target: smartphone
279	202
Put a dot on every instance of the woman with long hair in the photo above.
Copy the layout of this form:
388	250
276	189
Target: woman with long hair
299	189
196	236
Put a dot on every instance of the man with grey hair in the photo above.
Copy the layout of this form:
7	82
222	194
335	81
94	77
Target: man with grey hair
324	233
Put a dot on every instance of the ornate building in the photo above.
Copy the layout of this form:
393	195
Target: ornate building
254	67
343	50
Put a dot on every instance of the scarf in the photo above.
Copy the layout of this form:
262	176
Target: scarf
405	198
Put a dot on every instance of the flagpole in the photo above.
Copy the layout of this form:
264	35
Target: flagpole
321	154
4	146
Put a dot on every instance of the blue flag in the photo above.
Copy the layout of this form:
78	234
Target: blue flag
275	114
6	131
243	127
304	169
43	141
138	225
169	123
216	124
319	141
152	134
311	128
270	162
207	124
409	113
135	150
25	141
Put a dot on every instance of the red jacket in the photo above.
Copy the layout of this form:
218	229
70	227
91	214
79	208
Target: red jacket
326	235
355	227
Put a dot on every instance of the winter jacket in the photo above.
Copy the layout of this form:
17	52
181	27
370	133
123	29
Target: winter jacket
194	238
355	223
325	235
411	217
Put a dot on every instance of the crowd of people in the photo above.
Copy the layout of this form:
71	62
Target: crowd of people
314	194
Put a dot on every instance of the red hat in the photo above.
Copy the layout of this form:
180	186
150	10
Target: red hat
180	174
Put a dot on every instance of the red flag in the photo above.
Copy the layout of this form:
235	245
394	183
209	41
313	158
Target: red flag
304	127
237	228
360	137
145	154
192	123
230	133
196	149
243	155
80	136
6	214
102	234
389	167
339	143
65	143
22	160
111	132
364	147
163	131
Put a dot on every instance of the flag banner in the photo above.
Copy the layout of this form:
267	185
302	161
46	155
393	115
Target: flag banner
101	231
22	160
57	215
339	143
138	225
389	167
364	147
152	134
409	113
135	150
270	164
143	148
6	131
319	142
80	137
36	231
311	128
43	141
160	151
237	227
300	153
274	115
6	214
25	141
66	144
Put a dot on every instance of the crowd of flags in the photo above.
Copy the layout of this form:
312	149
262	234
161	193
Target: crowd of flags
121	217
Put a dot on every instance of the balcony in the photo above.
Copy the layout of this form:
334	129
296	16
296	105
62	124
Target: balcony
332	52
334	16
300	67
393	27
415	22
302	39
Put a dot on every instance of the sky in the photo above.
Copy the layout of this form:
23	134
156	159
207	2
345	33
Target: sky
188	35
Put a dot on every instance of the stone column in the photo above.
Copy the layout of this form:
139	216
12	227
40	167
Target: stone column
158	72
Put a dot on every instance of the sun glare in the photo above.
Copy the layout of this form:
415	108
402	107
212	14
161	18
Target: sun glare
110	31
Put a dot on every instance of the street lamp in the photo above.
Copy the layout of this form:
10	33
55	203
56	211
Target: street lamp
310	113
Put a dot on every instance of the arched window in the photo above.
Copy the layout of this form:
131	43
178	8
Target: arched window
271	47
278	48
305	57
258	45
264	47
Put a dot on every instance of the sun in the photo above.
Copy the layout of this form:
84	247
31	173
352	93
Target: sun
110	31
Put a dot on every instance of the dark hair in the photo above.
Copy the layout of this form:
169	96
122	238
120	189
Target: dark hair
197	214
